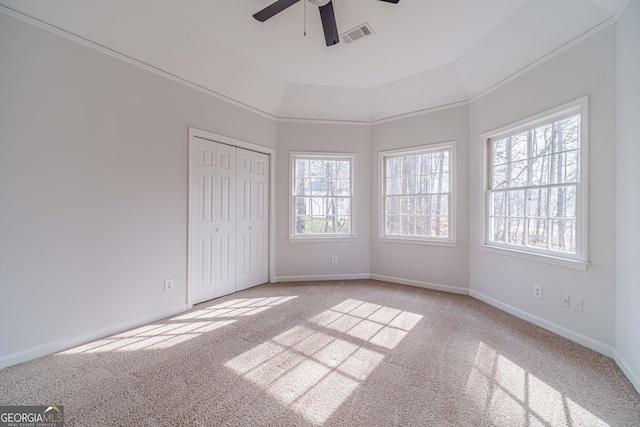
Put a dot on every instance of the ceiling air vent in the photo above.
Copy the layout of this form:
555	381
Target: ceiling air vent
357	33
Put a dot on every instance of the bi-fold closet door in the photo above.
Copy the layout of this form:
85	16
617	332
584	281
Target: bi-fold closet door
229	219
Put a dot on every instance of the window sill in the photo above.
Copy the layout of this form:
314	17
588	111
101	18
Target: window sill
446	243
315	239
547	259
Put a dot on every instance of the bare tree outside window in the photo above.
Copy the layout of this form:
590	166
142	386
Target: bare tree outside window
533	187
322	195
417	194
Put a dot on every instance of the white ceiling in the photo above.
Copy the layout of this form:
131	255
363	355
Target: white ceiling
423	53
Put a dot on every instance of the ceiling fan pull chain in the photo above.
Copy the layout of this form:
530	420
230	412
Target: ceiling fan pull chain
305	17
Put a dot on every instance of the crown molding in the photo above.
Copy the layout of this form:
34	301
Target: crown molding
601	26
103	49
63	33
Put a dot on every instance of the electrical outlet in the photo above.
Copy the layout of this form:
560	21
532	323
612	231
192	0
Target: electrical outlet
334	259
537	291
565	300
168	285
578	304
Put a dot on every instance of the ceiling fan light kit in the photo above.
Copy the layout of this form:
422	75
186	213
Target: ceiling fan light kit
327	16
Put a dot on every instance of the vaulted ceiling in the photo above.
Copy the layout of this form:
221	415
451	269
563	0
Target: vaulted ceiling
422	54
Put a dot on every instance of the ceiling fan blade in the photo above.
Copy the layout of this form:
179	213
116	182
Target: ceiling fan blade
391	1
329	24
273	9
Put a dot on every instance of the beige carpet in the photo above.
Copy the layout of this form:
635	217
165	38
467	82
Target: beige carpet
359	353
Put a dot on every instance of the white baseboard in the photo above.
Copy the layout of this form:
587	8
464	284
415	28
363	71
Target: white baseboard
550	326
419	284
67	343
624	366
321	277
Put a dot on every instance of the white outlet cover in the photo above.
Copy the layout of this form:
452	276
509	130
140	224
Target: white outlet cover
578	304
168	285
537	291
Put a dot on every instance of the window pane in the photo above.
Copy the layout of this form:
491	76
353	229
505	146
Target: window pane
344	206
408	165
544	162
441	226
542	141
500	151
518	176
440	205
568	134
515	203
423	164
344	225
537	202
541	170
393	206
343	169
562	203
563	235
498	230
342	188
423	205
423	225
500	177
439	183
409	184
408	205
515	234
394	167
322	180
498	205
567	166
538	233
394	186
393	224
519	147
421	183
408	224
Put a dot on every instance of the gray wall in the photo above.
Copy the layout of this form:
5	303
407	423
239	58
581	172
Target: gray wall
422	264
587	68
312	260
628	197
93	187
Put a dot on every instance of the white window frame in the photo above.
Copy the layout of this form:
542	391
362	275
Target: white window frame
449	241
579	259
293	237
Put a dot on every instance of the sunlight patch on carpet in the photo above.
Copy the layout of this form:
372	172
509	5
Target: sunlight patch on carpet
312	369
511	395
182	328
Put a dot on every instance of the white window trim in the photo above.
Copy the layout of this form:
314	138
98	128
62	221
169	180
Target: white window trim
316	238
579	260
451	241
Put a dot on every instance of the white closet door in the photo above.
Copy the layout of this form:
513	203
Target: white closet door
253	219
213	218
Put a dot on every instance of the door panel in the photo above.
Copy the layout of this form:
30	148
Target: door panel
213	220
252	226
229	219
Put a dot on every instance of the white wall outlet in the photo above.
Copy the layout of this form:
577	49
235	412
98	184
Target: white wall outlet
537	291
565	300
334	259
168	285
578	304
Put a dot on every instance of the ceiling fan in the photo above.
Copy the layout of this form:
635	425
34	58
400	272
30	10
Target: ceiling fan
326	15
